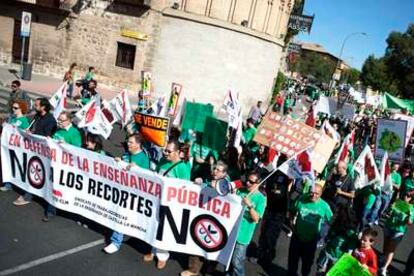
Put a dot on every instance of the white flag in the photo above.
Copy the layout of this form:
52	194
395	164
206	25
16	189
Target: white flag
122	106
329	130
88	113
385	172
232	107
58	100
366	168
100	125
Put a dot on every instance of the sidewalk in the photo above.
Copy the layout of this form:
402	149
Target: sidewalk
47	86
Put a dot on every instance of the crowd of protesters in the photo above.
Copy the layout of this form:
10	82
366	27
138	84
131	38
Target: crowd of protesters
331	215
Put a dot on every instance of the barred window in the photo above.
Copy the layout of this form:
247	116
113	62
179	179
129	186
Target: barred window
125	56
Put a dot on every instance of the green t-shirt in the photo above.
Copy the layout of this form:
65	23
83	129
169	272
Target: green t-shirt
401	213
247	225
248	134
202	152
407	186
371	198
140	159
181	171
20	122
341	243
71	136
396	179
310	217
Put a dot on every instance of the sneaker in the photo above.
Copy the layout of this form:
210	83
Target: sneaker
161	264
111	248
376	222
188	273
20	201
5	189
148	257
289	234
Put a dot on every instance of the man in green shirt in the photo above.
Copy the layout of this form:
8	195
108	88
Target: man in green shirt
66	131
134	157
170	165
255	203
309	213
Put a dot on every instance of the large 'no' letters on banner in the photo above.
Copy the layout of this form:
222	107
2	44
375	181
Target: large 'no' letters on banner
167	213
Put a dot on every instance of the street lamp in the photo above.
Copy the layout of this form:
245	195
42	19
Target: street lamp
338	64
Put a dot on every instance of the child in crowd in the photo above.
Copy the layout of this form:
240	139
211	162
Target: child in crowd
365	254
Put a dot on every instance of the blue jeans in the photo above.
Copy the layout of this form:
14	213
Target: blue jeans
27	196
117	238
237	261
380	205
50	210
8	185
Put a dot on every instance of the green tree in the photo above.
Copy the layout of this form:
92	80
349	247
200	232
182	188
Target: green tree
374	73
320	67
399	58
350	76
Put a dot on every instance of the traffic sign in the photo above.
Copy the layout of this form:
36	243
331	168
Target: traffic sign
25	26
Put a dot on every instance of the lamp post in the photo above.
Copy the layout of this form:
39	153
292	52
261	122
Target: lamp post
338	64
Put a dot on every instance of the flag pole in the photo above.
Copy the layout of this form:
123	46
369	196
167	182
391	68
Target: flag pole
270	174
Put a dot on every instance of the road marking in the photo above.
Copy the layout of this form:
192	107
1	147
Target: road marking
50	258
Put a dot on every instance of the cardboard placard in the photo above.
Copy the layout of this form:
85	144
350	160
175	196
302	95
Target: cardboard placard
322	152
391	135
286	135
153	128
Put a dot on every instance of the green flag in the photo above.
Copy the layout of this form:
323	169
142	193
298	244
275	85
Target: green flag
348	266
390	101
214	135
195	115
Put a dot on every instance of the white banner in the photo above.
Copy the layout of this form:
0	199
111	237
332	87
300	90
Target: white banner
168	213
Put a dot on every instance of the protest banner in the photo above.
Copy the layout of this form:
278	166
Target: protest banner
410	125
348	266
195	115
286	135
391	102
214	135
146	83
322	152
167	213
390	137
154	129
233	109
174	98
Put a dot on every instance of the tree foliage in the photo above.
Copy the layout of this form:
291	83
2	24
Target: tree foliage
374	73
316	65
350	76
394	72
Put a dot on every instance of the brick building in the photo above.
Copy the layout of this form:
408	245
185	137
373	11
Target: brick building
208	46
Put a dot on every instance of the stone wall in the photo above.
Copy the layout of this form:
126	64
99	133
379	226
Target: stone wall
89	38
208	60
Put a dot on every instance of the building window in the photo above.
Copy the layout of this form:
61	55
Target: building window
125	56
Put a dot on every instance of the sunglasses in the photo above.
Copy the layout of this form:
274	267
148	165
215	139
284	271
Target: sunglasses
15	107
14	86
251	181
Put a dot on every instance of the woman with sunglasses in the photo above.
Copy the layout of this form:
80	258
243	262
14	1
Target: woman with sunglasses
19	109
